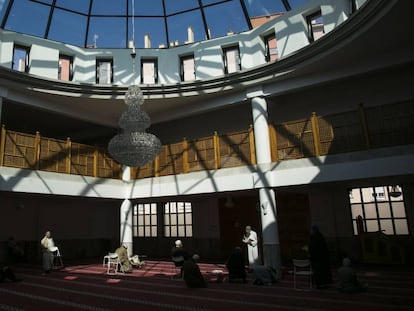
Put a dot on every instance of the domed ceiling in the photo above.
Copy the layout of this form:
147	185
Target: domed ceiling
113	23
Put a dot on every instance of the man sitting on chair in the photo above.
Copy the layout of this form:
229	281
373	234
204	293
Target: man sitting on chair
123	258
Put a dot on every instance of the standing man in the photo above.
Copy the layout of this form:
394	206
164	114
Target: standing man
250	239
48	249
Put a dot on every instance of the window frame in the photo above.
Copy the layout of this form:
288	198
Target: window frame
369	200
173	224
269	56
311	26
183	59
26	50
153	61
226	51
70	59
99	62
147	221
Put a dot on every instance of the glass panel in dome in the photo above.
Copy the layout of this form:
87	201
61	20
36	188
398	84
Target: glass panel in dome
207	2
3	7
33	23
178	26
109	7
295	3
174	6
77	6
153	26
105	32
68	27
147	8
264	7
231	19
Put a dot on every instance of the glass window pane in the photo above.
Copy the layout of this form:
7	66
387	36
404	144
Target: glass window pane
140	231
173	221
355	196
356	210
34	23
386	226
401	226
384	210
109	7
166	219
395	193
181	231
174	6
189	230
147	231
296	3
148	8
398	209
3	7
153	231
107	32
167	231
181	218
370	211
68	27
19	59
178	27
188	219
173	231
77	6
153	219
234	19
153	208
355	227
372	225
173	207
147	219
135	231
264	7
152	26
367	194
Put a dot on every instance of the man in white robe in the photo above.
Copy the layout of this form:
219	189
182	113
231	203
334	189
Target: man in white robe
250	239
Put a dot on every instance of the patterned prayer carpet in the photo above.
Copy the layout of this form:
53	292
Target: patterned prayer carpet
154	287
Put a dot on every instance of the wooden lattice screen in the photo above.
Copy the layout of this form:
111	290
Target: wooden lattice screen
201	154
235	149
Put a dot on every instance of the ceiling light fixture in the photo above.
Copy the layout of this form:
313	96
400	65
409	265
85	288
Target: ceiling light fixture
133	146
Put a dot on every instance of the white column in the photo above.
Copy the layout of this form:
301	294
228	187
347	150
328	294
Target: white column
268	212
261	130
126	227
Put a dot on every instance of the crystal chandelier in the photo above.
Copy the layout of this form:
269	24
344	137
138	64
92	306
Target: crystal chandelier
133	146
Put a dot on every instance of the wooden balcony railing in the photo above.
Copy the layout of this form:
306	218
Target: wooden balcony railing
361	129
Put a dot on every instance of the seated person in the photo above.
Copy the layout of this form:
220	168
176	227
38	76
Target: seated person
179	254
123	258
6	273
236	266
192	274
348	281
263	275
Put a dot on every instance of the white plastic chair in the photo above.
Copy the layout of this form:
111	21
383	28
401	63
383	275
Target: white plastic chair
112	263
302	267
57	260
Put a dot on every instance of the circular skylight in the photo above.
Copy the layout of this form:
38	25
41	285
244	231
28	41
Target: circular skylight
113	23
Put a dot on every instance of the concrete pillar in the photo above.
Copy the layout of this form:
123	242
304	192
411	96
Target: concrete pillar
268	211
126	226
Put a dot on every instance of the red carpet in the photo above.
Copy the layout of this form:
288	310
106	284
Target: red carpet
88	287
